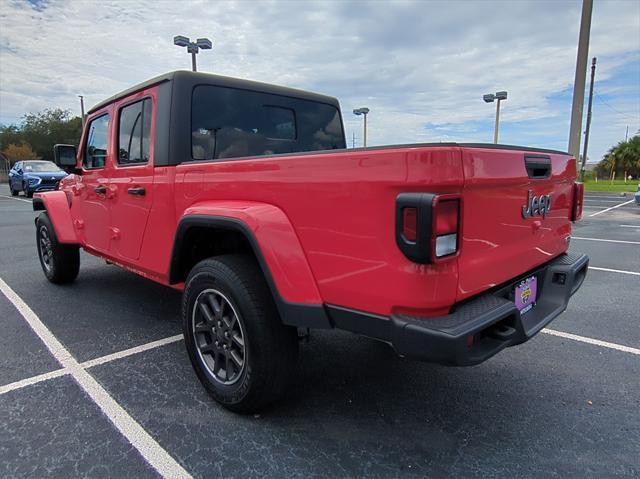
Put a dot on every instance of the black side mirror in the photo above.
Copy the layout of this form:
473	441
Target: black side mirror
65	157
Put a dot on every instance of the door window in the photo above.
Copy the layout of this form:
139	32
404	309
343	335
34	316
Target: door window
95	152
134	137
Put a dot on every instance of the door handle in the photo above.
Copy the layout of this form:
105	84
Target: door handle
101	190
138	191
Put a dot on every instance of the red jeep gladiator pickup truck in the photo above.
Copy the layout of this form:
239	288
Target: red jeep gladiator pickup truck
244	196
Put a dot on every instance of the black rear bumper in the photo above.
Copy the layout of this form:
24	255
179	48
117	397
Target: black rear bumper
479	328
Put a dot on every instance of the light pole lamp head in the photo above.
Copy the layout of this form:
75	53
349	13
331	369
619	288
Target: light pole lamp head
181	41
361	111
204	43
501	95
489	97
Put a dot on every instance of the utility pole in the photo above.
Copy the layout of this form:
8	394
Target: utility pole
626	135
586	132
82	108
580	78
353	140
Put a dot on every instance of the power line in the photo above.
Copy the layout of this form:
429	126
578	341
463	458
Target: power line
614	109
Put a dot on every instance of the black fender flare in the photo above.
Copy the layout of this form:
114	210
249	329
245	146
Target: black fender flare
292	314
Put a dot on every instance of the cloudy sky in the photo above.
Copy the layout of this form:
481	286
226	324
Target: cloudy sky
421	67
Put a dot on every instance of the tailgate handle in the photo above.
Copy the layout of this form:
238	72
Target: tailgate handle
538	166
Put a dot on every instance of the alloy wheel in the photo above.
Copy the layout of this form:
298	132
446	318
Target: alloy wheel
219	336
46	249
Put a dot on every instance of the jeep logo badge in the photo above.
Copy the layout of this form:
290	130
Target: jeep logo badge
536	205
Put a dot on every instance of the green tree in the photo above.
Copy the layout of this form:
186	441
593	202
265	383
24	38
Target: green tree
621	158
44	129
9	135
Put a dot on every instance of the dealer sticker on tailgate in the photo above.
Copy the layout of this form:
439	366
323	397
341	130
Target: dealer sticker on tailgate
525	294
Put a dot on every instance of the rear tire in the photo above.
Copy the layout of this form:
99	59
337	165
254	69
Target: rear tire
241	352
60	262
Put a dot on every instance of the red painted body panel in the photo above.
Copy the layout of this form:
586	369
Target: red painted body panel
129	213
497	243
57	206
342	208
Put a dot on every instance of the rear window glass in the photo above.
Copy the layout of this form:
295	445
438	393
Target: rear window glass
231	123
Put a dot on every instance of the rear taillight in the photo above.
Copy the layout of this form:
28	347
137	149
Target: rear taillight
410	224
578	201
428	226
446	220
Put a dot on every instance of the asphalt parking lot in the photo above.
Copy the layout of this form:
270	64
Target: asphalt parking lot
565	404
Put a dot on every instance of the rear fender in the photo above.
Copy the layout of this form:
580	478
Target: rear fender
57	207
276	247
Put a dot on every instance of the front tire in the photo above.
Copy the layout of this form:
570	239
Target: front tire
241	352
13	192
60	262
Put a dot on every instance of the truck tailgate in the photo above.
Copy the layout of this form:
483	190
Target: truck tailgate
499	242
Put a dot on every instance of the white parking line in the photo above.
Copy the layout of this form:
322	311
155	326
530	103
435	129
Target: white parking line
629	226
596	342
604	240
131	351
612	208
14	198
32	380
138	437
609	270
89	364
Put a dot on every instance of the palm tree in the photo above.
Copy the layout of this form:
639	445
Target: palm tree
622	158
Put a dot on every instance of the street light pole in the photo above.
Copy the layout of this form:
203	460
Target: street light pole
363	111
365	129
192	47
580	78
497	126
490	98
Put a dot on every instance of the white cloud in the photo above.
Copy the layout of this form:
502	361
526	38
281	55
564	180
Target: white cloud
421	67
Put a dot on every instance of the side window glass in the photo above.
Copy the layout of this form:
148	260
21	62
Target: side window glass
95	152
134	136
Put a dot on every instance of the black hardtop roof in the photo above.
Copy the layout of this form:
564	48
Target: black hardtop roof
218	80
